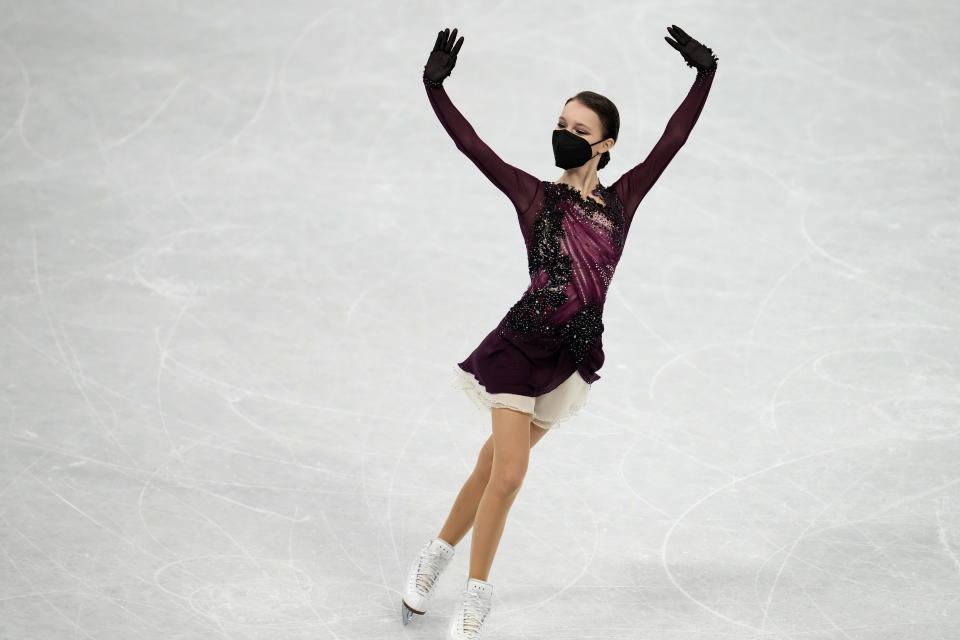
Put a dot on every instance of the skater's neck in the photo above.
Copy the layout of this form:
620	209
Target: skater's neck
583	179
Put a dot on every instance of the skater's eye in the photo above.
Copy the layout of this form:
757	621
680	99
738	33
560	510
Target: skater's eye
583	133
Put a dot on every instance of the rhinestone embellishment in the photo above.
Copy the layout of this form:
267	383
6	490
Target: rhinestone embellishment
532	313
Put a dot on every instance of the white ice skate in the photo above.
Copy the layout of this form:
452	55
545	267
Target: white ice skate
422	577
467	622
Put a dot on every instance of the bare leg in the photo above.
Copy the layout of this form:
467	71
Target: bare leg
511	443
464	510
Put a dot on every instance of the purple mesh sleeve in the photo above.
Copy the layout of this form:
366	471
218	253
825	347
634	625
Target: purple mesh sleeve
632	186
518	185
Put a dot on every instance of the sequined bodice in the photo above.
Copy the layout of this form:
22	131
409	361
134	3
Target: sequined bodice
571	255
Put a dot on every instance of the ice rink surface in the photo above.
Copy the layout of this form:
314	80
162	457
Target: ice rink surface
240	256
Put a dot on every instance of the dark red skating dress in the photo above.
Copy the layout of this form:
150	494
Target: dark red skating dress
573	246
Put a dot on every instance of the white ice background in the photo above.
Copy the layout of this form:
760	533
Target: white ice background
240	256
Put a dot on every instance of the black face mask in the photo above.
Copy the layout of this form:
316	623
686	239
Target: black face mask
570	150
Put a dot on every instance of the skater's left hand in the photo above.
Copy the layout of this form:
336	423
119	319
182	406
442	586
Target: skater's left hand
696	54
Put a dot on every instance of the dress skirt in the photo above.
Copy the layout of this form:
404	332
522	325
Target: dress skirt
547	410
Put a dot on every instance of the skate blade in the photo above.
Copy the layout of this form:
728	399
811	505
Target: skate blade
407	613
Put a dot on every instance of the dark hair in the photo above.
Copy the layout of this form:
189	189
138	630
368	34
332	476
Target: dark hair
608	114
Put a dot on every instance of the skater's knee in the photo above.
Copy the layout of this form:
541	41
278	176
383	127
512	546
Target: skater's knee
506	479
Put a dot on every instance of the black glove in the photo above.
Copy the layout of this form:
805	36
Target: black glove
442	58
696	54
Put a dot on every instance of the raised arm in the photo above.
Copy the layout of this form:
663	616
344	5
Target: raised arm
518	185
632	186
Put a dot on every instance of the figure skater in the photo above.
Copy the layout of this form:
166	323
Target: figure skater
536	367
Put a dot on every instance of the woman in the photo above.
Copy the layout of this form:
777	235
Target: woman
536	367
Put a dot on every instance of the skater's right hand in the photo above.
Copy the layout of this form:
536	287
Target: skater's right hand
443	57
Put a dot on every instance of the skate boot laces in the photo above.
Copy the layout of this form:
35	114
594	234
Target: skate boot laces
475	610
431	565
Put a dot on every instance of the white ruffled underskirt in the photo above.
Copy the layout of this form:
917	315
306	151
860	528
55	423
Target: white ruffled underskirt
484	400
